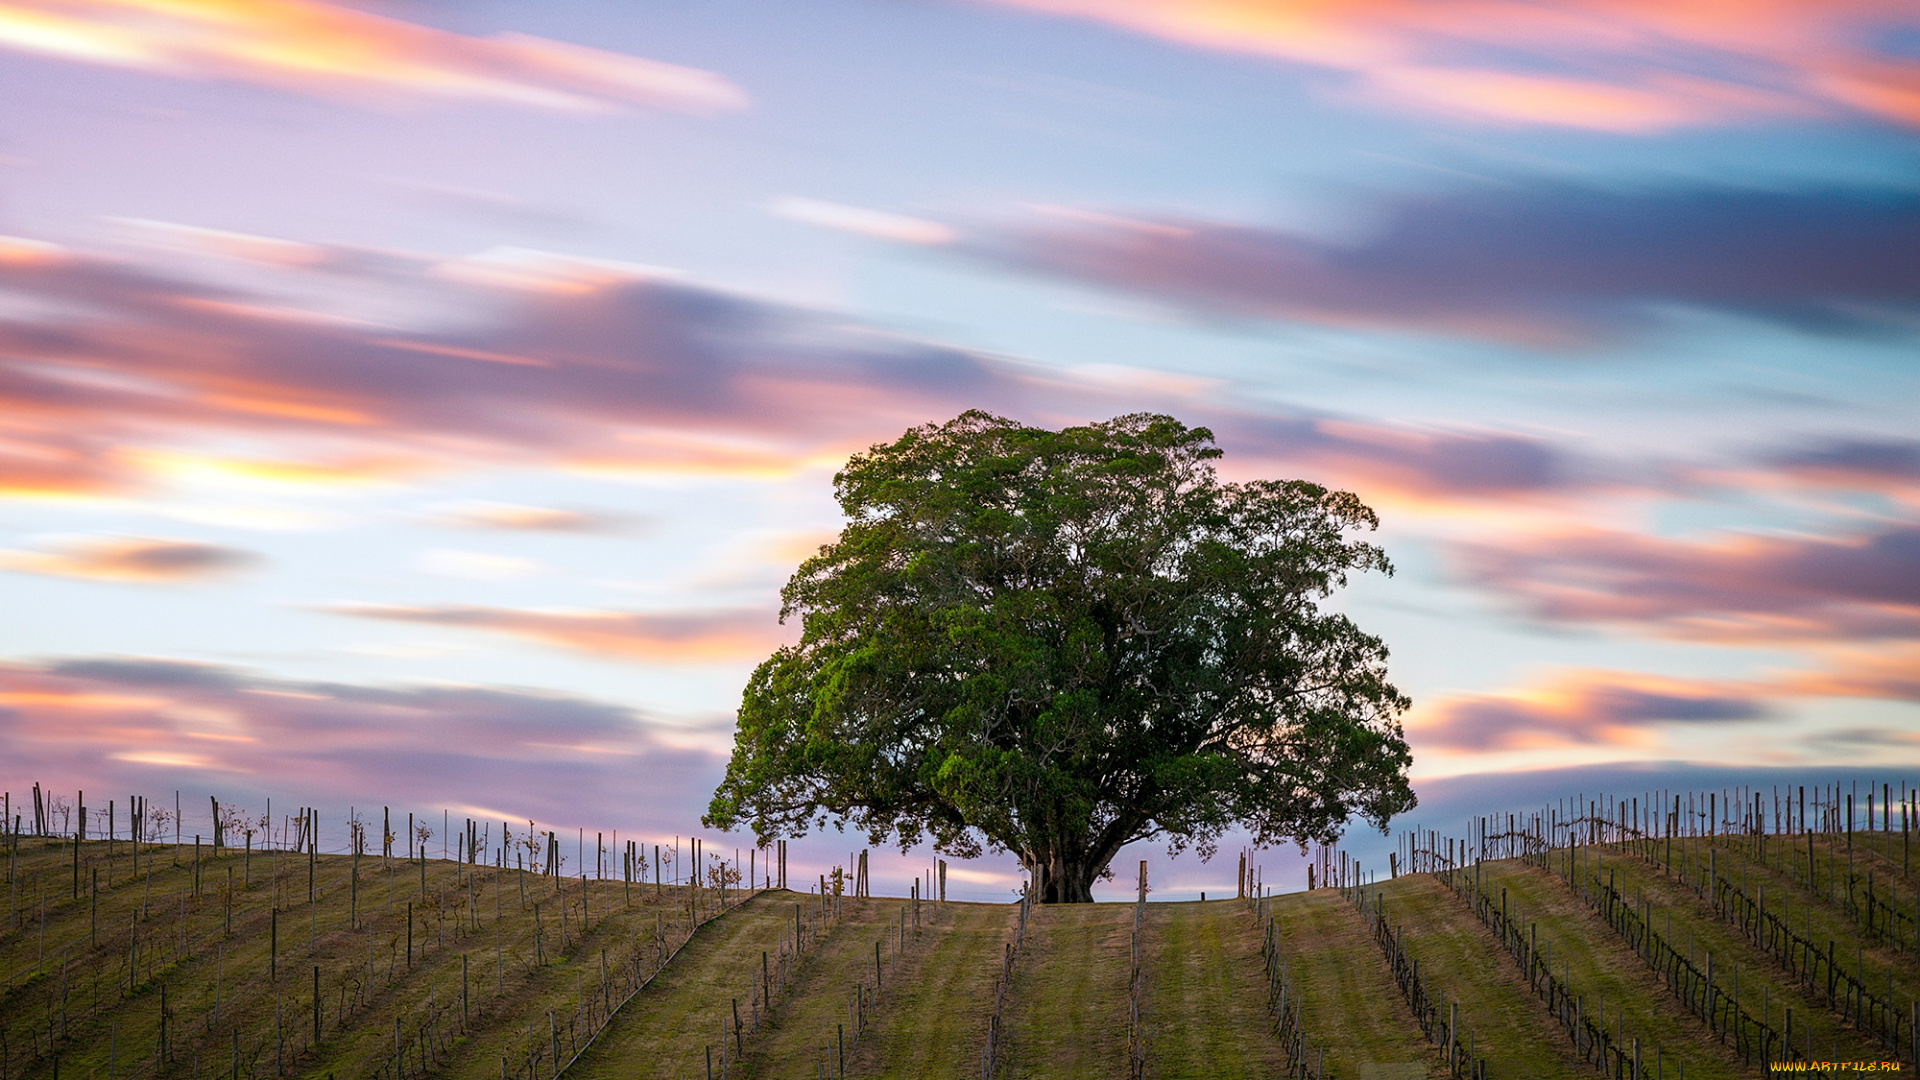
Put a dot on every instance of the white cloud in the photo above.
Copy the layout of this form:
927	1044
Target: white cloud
879	224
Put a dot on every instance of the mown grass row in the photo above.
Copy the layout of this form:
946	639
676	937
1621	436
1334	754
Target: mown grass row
439	968
284	964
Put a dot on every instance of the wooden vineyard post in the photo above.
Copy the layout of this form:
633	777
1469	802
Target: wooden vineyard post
1453	1024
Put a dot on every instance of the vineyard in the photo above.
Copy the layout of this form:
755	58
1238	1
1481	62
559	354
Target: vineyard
1700	935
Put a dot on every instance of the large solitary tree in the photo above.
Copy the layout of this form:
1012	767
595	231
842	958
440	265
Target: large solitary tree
1058	642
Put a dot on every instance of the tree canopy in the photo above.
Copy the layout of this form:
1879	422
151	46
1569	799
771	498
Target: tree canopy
1056	643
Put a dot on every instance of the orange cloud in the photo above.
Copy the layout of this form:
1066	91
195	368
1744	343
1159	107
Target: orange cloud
1888	90
697	637
1618	65
257	473
1891	674
136	560
49	466
115	372
511	516
319	47
1582	708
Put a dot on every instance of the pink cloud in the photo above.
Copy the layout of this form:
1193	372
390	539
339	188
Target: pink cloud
105	360
863	221
1887	673
1613	65
116	374
1412	466
316	47
520	518
131	559
1588	708
1886	465
691	637
1547	265
140	725
1734	589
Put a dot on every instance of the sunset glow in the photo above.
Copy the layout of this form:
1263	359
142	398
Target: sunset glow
435	398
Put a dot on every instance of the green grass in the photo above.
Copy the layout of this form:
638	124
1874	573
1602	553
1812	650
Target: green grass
1066	1014
667	1029
1350	1004
1205	1009
1608	974
1818	913
1689	923
806	1027
527	953
480	989
933	1019
1511	1027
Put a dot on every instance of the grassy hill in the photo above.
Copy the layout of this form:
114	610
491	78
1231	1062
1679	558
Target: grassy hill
1570	960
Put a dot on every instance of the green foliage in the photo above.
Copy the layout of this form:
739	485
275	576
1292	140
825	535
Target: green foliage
1059	642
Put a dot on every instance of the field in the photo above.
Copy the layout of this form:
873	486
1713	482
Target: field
1589	943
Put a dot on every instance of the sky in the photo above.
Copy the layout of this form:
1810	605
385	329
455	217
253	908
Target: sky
421	404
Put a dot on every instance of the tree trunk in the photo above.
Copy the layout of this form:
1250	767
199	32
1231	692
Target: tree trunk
1060	880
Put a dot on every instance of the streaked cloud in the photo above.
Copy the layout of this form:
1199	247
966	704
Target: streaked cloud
1410	464
1874	464
131	559
1594	64
521	518
322	48
130	724
1548	264
260	473
48	463
120	373
879	224
1864	740
1582	708
719	636
1888	672
1734	588
225	243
